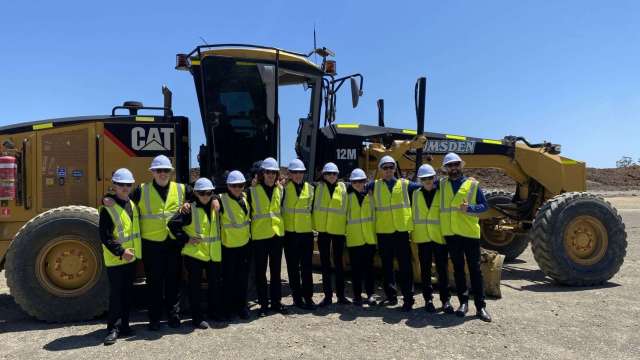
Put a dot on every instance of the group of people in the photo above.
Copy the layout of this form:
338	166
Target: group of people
171	224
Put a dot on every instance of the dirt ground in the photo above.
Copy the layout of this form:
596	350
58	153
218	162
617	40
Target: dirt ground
535	319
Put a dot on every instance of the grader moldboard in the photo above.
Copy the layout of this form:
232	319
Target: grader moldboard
53	174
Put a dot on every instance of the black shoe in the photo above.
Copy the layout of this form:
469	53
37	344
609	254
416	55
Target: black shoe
343	300
309	304
174	322
263	311
406	306
372	301
357	301
462	310
126	332
483	315
154	325
244	313
326	301
297	302
429	307
279	308
217	317
200	324
447	307
111	337
389	301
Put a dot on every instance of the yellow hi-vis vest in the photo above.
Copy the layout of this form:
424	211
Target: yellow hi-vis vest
426	221
452	220
234	222
209	247
266	216
360	221
126	232
393	210
155	213
330	213
296	212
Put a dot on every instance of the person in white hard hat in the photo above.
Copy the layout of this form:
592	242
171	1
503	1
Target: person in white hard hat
267	232
119	231
393	223
427	236
361	237
460	203
330	220
198	232
298	238
235	219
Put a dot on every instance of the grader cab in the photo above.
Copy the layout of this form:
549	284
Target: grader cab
53	173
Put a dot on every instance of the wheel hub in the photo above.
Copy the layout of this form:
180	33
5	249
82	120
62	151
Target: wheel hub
586	240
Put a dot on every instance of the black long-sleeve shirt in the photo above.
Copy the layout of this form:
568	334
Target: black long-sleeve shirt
179	220
359	195
428	195
106	225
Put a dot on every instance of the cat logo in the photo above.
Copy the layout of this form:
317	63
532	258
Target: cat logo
151	139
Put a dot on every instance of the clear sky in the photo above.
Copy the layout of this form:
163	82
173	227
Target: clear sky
562	71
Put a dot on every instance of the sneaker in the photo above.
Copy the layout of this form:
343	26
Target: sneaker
111	337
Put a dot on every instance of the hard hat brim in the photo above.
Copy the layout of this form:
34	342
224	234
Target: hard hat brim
123	181
357	178
270	168
158	167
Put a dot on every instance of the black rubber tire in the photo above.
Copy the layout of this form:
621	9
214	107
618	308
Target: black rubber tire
548	246
21	266
520	241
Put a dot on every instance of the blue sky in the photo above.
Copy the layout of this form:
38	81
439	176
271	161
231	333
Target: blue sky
562	71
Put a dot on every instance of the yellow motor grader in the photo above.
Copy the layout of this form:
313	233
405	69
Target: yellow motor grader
54	172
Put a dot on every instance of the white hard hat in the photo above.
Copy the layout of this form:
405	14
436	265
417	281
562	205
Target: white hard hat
386	160
161	162
330	168
451	157
236	177
297	165
123	176
203	184
357	174
425	171
269	164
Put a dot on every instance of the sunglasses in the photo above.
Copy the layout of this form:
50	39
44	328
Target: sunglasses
358	181
330	174
122	185
426	179
388	167
270	172
204	192
162	171
236	186
296	172
453	164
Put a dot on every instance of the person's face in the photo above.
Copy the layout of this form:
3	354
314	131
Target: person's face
427	183
204	195
296	176
122	190
454	169
236	189
359	184
270	177
330	177
388	170
162	176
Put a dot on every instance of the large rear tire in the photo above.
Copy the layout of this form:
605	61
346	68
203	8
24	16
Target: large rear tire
578	239
54	266
494	237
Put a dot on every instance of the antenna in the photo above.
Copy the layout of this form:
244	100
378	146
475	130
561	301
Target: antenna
203	40
314	42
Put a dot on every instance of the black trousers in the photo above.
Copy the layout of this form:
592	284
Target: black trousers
298	251
120	293
396	245
163	269
361	258
213	271
235	277
462	248
426	252
268	251
328	243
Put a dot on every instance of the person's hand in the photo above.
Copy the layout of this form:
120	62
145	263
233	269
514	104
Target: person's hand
464	206
128	255
254	181
185	208
107	201
194	241
215	203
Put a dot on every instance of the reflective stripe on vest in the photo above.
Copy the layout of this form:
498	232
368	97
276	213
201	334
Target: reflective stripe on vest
234	222
360	221
426	220
266	214
127	235
209	249
453	220
296	209
330	212
393	209
156	213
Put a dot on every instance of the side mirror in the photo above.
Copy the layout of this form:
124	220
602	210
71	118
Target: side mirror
355	92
